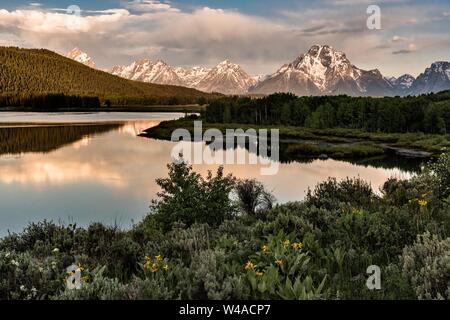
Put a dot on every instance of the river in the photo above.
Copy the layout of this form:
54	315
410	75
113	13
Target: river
93	167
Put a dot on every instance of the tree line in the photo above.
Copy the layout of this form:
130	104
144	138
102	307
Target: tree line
49	101
427	113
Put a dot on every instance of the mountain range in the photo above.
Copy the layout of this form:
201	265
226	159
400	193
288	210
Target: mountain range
322	70
226	77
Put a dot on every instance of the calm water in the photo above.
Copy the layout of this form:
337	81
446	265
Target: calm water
93	167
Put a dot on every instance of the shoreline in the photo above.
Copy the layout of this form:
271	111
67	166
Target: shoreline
157	108
327	143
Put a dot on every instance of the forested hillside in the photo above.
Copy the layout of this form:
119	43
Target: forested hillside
31	72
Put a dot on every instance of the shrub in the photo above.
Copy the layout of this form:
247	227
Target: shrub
253	197
439	171
331	194
426	264
188	197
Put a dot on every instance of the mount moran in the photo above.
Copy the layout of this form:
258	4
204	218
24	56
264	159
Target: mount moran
320	71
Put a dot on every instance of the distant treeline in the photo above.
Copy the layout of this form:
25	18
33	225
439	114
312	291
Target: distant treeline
426	113
49	101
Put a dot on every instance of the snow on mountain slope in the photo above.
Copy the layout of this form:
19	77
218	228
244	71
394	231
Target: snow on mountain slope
324	70
82	57
148	71
227	78
320	71
402	84
191	77
434	79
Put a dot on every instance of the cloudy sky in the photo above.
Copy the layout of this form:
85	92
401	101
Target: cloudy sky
261	35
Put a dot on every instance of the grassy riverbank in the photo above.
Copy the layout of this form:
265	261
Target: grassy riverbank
221	238
334	143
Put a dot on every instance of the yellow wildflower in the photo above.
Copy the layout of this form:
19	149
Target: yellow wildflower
265	248
423	203
259	274
154	267
166	267
297	245
279	262
286	243
147	262
158	258
249	265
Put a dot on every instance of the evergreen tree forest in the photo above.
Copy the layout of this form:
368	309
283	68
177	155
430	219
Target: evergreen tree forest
427	113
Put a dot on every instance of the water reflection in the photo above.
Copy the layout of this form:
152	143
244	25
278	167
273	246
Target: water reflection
105	172
388	161
17	140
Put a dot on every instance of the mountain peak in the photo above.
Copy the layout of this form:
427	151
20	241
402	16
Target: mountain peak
323	70
74	52
225	62
80	56
435	78
440	66
227	78
228	65
402	84
148	71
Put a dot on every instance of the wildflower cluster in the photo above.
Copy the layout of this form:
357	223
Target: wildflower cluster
156	264
276	253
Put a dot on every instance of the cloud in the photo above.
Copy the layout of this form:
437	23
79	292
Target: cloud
150	5
33	24
205	36
411	48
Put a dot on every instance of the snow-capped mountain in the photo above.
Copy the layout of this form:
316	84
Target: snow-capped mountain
323	70
402	85
82	57
435	78
260	78
148	71
191	77
227	78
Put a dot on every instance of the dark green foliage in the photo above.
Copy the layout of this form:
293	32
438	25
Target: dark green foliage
427	113
187	197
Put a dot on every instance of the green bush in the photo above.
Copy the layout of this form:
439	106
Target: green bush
188	197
